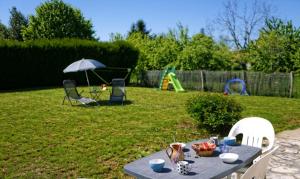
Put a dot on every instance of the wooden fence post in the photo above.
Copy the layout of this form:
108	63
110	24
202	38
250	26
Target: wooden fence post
291	84
202	81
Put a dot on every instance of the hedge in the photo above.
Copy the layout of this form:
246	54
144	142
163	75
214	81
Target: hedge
40	63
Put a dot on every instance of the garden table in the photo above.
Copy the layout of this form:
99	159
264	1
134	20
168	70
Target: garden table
95	92
202	167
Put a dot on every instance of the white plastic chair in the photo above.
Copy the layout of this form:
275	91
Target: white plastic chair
254	130
259	168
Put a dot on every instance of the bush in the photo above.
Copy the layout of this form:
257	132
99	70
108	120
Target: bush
214	112
40	63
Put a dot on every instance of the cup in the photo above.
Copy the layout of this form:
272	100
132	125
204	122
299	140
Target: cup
183	167
157	164
215	140
224	148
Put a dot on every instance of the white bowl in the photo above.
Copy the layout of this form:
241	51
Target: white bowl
180	143
229	157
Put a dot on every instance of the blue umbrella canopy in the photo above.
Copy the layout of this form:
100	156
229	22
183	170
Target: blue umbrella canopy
83	65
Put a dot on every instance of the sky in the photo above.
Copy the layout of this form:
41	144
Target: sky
116	16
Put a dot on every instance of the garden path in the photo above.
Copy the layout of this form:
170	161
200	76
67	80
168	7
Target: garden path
285	163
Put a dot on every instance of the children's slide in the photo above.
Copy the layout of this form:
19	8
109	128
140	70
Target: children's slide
176	84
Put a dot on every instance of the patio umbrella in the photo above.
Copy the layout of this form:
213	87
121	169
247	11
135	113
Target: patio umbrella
84	65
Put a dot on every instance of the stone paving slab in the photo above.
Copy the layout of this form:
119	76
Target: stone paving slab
285	162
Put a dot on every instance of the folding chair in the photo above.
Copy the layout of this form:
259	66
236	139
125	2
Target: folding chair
73	95
118	92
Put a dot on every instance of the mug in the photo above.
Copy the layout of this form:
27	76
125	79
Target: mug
183	167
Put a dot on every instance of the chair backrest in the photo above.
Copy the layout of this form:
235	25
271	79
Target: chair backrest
118	87
254	130
70	89
259	168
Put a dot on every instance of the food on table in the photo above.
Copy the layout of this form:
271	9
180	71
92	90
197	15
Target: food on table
204	148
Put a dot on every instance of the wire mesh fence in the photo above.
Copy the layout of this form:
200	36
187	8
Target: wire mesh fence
257	83
296	86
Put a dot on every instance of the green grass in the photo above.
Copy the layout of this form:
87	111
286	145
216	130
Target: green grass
40	138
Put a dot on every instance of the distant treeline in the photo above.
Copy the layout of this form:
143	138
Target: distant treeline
277	49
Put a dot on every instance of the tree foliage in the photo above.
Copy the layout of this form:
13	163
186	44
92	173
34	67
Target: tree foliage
55	19
139	26
201	52
179	34
116	37
155	53
177	48
17	22
4	32
277	48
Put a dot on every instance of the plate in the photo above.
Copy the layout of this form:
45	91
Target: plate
229	157
180	143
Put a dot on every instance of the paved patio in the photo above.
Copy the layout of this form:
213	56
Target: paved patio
285	163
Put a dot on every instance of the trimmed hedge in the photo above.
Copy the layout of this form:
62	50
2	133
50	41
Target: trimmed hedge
40	63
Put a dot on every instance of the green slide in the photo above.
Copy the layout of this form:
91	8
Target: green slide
176	84
165	72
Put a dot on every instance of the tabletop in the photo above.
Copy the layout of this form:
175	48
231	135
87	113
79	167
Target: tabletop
202	167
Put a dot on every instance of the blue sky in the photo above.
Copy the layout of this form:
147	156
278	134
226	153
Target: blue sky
114	16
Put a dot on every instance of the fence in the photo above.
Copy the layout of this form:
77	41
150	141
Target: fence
258	83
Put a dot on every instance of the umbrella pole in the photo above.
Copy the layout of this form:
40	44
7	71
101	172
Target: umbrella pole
87	78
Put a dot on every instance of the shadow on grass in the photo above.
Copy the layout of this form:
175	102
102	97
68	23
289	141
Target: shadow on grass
107	103
101	103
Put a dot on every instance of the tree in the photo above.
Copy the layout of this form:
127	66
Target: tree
277	48
17	21
296	60
142	43
55	19
269	54
241	24
281	28
179	34
4	32
139	26
177	49
203	53
116	37
155	53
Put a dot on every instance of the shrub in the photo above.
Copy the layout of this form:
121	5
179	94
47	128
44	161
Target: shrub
214	112
40	63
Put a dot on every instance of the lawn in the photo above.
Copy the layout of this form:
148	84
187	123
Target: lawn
40	138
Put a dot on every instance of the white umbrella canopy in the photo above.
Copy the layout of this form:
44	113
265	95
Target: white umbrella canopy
84	65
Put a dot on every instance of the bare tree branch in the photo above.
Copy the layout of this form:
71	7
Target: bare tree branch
241	24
